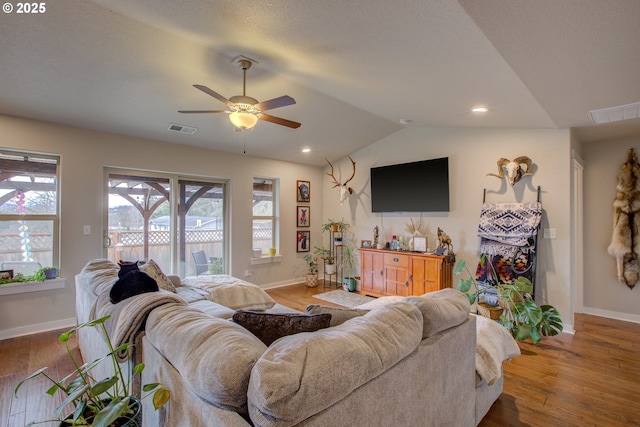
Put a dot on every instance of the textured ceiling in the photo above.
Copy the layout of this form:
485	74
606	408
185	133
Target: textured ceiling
355	68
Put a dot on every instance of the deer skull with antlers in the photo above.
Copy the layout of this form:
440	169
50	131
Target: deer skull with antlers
513	169
344	190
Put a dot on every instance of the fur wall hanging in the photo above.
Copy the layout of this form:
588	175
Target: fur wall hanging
625	242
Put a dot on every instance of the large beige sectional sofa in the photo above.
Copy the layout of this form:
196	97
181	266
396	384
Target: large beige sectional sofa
407	363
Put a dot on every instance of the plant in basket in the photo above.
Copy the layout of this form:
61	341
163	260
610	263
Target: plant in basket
106	402
521	315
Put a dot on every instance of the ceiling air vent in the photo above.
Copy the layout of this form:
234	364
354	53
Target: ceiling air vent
616	114
182	129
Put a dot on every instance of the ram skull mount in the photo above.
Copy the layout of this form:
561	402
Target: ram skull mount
345	191
513	169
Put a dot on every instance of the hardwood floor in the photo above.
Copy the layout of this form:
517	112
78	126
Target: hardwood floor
591	378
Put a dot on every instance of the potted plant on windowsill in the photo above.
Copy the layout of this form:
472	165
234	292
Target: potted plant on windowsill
521	315
98	403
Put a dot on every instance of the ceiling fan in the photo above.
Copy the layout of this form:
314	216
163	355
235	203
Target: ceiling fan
244	111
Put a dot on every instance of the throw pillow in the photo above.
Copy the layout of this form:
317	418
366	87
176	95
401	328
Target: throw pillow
152	269
338	315
133	283
126	267
268	327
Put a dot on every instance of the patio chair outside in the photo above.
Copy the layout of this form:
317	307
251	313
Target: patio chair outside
200	259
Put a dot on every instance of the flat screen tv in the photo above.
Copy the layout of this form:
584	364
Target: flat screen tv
411	187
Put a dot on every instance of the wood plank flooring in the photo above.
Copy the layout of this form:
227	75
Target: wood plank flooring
591	378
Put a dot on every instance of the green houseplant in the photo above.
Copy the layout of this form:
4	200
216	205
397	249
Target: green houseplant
328	257
348	266
312	270
335	226
521	315
98	402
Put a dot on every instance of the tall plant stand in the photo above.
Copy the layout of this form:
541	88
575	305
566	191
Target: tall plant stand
334	280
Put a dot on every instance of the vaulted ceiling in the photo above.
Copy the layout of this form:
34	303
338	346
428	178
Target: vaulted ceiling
356	68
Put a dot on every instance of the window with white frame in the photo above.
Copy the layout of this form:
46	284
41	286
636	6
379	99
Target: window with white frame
167	218
265	214
29	211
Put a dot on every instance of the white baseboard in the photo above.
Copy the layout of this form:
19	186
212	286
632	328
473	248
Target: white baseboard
612	314
37	328
283	283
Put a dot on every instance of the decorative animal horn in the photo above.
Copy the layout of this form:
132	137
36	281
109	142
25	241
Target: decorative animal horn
513	169
501	162
344	190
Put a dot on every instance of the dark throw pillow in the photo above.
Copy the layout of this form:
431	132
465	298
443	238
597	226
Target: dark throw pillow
268	327
127	267
133	283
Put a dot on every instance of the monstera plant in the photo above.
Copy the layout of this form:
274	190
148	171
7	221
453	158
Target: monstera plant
521	315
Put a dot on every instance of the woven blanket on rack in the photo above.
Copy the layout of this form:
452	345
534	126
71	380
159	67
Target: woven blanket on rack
510	223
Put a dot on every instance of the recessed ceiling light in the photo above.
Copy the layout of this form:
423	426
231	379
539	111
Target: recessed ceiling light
405	121
306	150
480	109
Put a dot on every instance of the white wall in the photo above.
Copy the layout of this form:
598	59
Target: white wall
603	294
472	154
84	154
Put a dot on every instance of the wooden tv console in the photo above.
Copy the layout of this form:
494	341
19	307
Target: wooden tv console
386	272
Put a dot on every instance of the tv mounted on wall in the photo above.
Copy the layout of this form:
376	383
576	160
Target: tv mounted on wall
411	187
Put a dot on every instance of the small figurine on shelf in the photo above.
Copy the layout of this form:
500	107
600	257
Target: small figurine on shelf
444	245
375	236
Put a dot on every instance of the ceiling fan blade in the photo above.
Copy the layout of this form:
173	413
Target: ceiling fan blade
202	111
279	121
282	101
216	95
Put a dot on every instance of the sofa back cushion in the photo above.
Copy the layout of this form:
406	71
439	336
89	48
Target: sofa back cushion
214	356
300	375
338	315
441	310
99	275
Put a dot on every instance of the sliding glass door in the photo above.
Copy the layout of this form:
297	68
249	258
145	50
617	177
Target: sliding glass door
166	218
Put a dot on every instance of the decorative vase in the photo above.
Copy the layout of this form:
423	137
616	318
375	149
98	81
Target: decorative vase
349	284
312	280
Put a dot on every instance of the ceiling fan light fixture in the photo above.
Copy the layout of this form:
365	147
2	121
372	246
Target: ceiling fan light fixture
243	120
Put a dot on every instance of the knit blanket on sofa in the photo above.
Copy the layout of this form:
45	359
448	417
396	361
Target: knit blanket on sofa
128	317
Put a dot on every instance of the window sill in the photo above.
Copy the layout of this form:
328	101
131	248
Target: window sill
266	260
26	287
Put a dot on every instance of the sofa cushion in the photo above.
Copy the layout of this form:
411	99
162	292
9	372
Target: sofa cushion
152	269
268	327
212	309
134	282
231	292
302	374
338	315
214	356
441	310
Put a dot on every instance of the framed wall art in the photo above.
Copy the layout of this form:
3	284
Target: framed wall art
303	217
303	242
303	191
